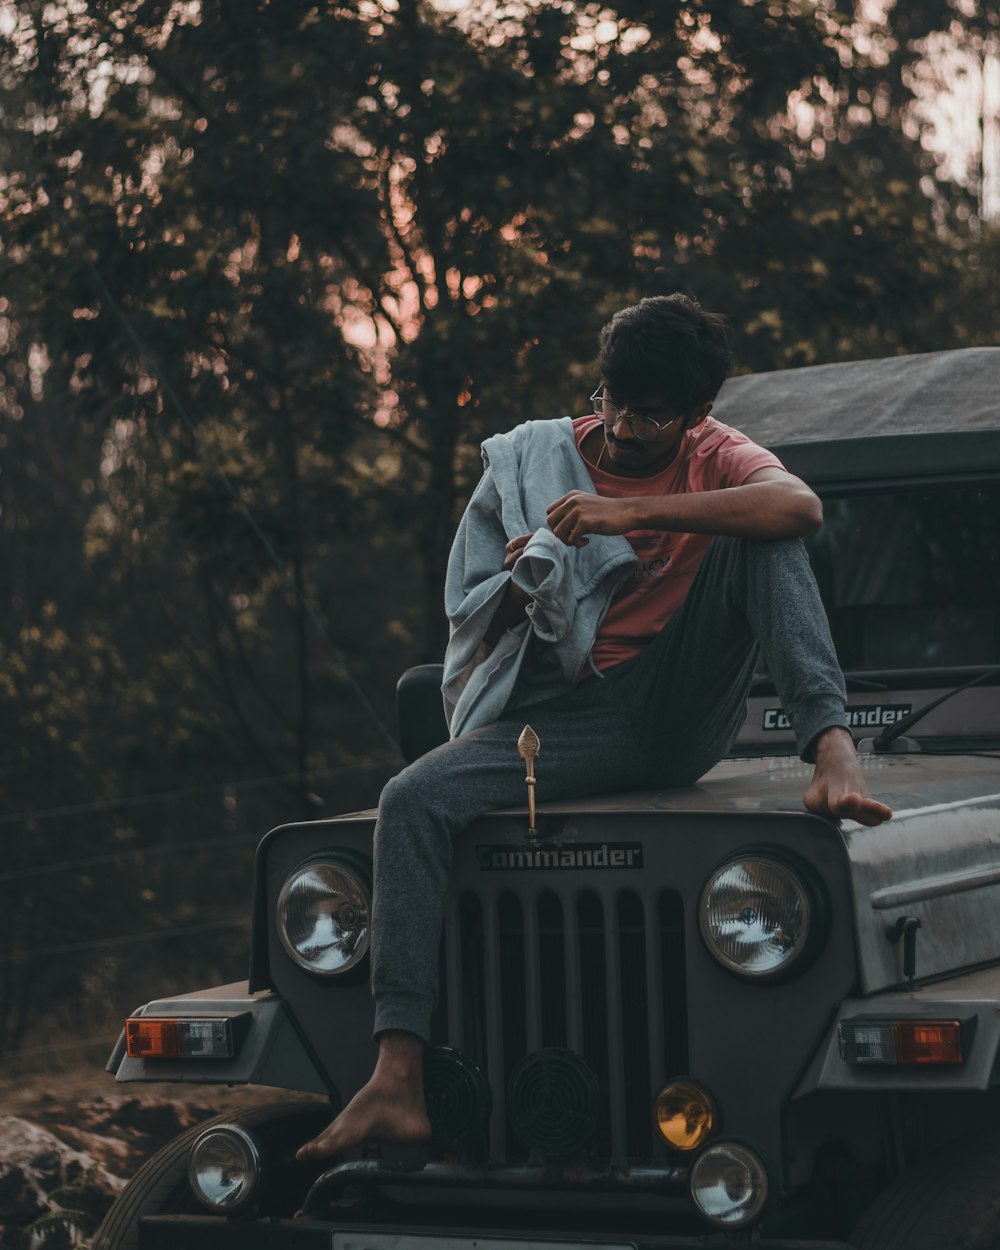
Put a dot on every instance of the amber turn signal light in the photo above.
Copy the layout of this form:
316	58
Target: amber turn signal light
864	1041
152	1039
159	1037
685	1115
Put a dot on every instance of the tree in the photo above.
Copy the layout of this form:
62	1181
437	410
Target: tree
269	273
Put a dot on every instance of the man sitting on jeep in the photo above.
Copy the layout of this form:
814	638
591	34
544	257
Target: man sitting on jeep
612	581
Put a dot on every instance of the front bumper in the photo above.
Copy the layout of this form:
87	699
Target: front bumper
192	1232
400	1205
492	1182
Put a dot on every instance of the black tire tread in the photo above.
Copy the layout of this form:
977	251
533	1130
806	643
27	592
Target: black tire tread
952	1205
156	1183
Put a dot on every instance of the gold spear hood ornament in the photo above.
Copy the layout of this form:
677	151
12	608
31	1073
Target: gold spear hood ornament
528	748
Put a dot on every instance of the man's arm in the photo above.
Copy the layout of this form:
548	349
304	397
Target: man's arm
770	504
515	600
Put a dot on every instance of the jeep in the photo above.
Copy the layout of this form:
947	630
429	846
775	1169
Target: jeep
699	1017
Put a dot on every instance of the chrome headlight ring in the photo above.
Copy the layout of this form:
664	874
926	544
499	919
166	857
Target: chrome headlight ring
728	1184
225	1169
323	915
763	914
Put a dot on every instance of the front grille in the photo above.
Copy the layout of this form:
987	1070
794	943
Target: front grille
601	973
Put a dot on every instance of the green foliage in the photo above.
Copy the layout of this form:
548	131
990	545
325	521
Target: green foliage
75	1211
269	272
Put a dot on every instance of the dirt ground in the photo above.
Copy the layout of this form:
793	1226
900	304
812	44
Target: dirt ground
46	1097
70	1140
52	1097
85	1103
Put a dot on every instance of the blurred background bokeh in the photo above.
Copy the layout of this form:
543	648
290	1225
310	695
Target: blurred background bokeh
269	272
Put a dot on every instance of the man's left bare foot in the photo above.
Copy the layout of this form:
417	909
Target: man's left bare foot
389	1110
838	786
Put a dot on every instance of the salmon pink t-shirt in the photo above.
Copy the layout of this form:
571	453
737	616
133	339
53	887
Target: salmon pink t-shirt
711	456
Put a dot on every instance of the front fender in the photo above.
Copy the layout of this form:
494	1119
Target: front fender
271	1050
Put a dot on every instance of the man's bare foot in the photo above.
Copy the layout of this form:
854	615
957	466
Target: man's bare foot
389	1109
838	786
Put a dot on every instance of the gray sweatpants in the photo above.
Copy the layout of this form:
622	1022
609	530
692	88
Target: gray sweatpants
661	719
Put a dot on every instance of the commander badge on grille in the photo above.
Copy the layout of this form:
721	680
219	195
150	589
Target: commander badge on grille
528	748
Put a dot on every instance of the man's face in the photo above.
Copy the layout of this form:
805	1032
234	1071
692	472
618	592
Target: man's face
643	433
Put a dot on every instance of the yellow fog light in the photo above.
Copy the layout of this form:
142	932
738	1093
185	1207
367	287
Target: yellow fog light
685	1115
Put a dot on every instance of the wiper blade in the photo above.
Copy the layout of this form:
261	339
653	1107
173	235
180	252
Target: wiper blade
862	683
763	685
892	732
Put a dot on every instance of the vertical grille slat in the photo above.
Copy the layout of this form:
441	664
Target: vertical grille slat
574	980
600	973
531	971
492	982
658	1070
615	995
594	1004
472	959
514	1021
674	983
635	1025
453	986
554	973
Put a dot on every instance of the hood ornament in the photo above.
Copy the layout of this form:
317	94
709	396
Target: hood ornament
528	748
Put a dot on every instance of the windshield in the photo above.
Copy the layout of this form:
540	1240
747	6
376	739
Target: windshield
912	579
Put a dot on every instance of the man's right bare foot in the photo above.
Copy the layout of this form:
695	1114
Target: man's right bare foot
389	1110
838	786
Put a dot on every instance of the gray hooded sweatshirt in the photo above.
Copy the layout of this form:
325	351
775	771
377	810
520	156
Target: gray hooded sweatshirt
570	588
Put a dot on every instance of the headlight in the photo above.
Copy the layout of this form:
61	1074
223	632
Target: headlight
729	1185
225	1168
758	916
324	916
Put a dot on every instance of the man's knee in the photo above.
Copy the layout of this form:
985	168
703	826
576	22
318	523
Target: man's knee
781	558
402	794
739	547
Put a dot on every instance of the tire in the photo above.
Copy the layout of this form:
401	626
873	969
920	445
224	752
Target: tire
161	1184
950	1205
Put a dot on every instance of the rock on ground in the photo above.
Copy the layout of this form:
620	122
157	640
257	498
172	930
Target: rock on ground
70	1141
50	1192
62	1164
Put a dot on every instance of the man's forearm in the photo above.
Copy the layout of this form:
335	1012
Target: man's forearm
776	509
771	504
510	612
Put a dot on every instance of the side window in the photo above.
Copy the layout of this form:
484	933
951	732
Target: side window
912	579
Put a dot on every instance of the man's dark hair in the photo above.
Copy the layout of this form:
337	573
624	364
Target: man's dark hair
666	344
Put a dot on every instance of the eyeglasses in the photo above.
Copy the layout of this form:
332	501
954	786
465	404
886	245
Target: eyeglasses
644	427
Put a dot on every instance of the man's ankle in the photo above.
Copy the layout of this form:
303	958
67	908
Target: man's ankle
835	739
400	1054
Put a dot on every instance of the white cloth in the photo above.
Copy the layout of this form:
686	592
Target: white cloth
570	588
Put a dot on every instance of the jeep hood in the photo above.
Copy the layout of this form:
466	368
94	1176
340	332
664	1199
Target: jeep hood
938	859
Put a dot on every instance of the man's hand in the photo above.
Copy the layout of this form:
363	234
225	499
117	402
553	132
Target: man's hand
580	513
514	549
511	610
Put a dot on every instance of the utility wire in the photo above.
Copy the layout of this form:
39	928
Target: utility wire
163	796
113	857
157	935
106	1040
233	492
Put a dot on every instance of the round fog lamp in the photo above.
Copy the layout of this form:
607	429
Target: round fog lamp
728	1185
324	917
685	1115
224	1169
755	916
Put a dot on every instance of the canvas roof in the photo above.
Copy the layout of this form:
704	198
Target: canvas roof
912	417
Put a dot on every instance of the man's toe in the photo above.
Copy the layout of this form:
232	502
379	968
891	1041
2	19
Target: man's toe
320	1147
859	807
